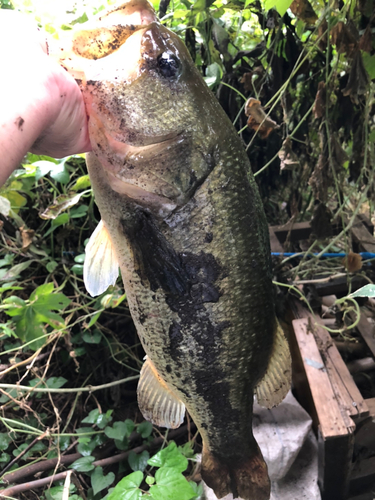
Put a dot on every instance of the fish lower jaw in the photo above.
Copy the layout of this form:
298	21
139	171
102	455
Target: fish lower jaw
161	204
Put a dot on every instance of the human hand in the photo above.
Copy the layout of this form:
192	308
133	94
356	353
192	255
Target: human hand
42	109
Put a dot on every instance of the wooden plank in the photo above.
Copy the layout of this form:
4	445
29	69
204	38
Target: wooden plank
334	466
363	474
364	496
366	330
366	222
370	402
296	231
362	236
348	396
339	286
345	389
276	246
331	421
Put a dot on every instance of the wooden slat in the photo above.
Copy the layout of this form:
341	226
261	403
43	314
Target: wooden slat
363	474
366	222
370	402
362	236
366	330
339	286
345	389
348	396
276	246
296	230
331	421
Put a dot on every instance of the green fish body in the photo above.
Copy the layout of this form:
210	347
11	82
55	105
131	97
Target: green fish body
182	218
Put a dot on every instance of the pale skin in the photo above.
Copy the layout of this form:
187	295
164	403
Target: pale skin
41	106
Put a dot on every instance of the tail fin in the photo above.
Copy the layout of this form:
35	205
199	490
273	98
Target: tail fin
246	478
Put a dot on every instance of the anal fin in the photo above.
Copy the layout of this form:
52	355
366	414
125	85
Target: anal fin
276	382
157	401
100	269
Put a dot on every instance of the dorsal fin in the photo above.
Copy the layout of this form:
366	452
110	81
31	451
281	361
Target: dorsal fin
157	402
275	384
100	269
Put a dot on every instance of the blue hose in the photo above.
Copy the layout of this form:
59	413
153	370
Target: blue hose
364	255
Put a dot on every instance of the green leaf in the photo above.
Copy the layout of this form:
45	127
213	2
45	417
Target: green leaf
170	457
4	458
365	291
213	75
51	266
187	449
44	298
82	182
4	441
170	485
129	426
43	167
198	489
83	464
15	271
62	202
92	337
55	223
99	482
94	319
144	429
92	417
55	382
281	5
138	462
118	431
80	259
77	269
128	488
78	212
60	173
369	63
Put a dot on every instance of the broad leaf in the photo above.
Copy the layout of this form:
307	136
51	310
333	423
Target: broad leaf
117	431
128	488
83	464
138	462
170	457
99	482
171	485
365	291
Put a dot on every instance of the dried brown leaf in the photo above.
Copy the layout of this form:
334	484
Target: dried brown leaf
343	38
304	11
320	101
27	237
352	262
258	119
288	158
358	79
365	42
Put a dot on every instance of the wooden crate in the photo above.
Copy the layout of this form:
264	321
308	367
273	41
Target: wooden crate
325	388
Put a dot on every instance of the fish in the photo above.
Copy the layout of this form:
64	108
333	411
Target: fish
181	216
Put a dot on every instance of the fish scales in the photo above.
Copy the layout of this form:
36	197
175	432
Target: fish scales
182	217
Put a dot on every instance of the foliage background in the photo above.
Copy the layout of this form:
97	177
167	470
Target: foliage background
310	70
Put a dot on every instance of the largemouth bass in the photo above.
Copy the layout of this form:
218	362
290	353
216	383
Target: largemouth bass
182	218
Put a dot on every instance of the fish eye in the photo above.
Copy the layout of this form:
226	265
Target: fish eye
169	65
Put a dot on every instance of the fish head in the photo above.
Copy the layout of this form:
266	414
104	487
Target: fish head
151	115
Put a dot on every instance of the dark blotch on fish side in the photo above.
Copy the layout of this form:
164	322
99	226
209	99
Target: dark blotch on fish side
208	238
157	261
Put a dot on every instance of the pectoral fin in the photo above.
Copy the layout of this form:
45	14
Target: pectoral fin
275	384
157	402
100	269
